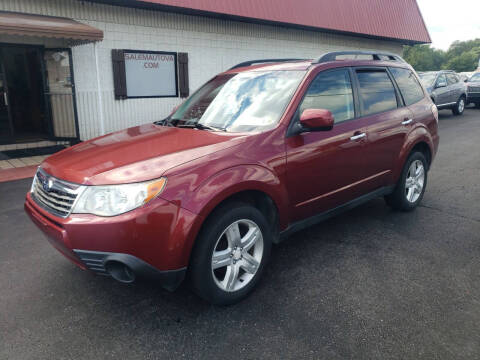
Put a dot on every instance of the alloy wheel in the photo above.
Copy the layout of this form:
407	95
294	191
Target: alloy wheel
237	255
415	181
461	105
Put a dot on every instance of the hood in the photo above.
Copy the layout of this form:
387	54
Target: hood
136	154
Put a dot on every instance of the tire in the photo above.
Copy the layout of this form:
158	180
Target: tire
407	198
459	107
477	105
235	251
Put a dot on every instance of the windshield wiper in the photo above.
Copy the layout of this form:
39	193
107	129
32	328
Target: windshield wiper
164	122
201	126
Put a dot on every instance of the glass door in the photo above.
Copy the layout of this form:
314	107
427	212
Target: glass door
6	127
23	116
60	93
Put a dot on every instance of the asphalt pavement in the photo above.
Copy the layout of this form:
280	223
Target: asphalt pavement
369	284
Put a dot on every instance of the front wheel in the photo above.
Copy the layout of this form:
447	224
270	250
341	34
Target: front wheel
412	183
230	254
459	107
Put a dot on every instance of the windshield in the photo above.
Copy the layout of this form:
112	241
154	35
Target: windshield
475	77
247	101
427	79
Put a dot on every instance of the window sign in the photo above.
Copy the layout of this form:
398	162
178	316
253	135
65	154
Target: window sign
151	73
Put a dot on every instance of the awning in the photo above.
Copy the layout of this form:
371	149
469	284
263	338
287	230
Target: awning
47	26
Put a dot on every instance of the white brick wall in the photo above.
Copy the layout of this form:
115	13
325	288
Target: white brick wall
212	46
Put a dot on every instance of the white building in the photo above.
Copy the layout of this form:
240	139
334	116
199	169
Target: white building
57	74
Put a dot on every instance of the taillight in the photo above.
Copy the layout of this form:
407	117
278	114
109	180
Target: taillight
435	112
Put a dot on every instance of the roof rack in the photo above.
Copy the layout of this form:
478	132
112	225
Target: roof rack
263	61
332	56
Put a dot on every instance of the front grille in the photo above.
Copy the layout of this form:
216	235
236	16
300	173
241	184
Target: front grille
473	89
54	195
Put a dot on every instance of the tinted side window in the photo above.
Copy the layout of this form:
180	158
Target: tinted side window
377	93
331	90
452	79
409	87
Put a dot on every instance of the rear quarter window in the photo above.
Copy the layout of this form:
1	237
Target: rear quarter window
409	87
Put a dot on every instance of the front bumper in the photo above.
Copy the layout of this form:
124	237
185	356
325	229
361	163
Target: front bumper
96	261
157	238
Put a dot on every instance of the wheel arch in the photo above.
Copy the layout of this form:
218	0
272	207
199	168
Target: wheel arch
420	140
424	148
251	184
256	198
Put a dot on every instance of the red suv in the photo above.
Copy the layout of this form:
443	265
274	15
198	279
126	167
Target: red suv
257	153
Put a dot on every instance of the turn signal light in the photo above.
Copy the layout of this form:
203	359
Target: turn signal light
154	189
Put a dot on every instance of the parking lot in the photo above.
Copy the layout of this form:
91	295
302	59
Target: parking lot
371	283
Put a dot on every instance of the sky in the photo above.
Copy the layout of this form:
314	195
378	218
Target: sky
449	20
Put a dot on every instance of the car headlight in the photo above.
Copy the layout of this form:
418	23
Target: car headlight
111	200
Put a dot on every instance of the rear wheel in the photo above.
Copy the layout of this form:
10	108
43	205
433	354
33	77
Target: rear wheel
412	183
477	105
230	254
459	107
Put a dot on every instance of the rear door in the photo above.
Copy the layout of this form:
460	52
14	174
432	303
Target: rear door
325	168
413	96
388	122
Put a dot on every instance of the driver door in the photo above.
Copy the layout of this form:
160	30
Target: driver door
325	168
441	91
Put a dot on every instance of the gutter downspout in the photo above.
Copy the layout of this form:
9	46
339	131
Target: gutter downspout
99	91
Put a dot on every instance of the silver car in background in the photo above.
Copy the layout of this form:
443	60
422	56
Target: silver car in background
446	89
473	90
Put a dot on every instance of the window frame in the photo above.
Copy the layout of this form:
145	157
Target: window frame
296	116
399	98
398	87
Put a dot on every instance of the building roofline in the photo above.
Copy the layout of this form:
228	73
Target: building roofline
215	15
423	23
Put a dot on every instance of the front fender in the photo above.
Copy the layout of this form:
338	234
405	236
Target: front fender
233	180
418	135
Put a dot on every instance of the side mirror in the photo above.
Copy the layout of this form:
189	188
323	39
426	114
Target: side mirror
440	85
317	119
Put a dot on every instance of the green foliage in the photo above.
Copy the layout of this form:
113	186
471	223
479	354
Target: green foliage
423	57
460	56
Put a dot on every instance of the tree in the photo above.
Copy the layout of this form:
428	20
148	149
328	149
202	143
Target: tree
466	61
457	48
460	56
423	57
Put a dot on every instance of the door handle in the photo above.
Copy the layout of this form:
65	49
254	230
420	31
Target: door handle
359	136
406	122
